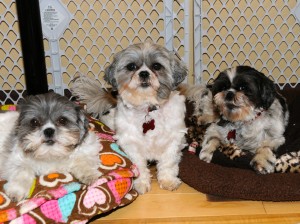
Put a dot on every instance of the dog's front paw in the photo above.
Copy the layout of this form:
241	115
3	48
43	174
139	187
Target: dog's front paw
208	148
264	162
89	177
16	191
142	186
206	155
170	184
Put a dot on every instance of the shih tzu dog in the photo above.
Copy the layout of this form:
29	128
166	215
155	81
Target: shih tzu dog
149	113
253	117
48	133
200	115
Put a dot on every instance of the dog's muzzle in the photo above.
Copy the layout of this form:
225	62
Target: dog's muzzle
229	96
144	78
49	133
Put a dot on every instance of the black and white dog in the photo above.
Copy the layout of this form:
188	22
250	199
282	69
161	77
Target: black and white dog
253	117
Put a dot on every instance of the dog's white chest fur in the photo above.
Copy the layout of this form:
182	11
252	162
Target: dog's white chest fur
169	128
7	123
266	129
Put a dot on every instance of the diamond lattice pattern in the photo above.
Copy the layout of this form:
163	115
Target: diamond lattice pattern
12	80
101	28
260	33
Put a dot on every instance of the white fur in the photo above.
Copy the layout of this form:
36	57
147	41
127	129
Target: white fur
251	135
231	73
20	169
163	144
146	76
7	123
259	131
202	100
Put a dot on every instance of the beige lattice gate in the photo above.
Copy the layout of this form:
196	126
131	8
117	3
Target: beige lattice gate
264	34
98	29
209	35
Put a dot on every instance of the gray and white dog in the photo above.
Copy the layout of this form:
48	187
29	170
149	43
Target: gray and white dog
253	116
48	133
149	113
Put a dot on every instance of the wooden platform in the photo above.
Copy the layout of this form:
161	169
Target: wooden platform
187	205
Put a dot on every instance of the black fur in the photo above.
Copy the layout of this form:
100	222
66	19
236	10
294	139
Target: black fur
109	76
261	89
255	85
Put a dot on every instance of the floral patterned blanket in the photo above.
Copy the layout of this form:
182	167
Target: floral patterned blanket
60	198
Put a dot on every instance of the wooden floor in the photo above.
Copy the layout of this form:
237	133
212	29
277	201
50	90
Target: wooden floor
187	205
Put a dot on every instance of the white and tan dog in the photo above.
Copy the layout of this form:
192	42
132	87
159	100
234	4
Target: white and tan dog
149	113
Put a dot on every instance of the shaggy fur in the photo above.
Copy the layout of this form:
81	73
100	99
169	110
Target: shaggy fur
253	117
47	134
243	113
149	116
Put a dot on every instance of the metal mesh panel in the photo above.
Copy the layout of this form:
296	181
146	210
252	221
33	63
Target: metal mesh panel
260	33
99	29
12	81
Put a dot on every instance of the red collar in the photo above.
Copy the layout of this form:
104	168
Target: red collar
258	114
152	108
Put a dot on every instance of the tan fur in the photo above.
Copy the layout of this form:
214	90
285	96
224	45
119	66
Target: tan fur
243	109
132	94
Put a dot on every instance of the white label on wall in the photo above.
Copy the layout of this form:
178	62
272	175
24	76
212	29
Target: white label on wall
55	18
51	17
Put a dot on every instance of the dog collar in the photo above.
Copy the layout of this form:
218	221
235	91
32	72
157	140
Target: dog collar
152	108
257	115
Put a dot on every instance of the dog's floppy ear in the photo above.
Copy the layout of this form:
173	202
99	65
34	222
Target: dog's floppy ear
110	74
267	90
179	70
22	102
82	121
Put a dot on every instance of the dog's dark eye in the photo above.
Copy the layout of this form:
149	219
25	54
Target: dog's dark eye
222	88
34	123
62	121
242	88
131	67
156	66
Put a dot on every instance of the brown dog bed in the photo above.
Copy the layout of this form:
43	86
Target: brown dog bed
236	180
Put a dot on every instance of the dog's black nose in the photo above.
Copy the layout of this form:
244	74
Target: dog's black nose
144	74
49	132
229	96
